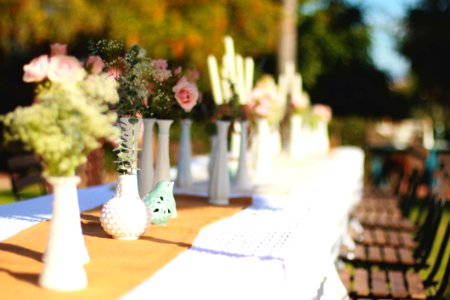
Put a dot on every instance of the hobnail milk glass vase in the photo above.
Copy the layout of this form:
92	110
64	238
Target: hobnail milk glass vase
125	216
66	251
242	180
184	177
219	182
146	171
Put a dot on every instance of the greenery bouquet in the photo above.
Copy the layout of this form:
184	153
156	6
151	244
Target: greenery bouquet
71	112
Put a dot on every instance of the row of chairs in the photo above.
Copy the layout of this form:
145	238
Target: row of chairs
391	250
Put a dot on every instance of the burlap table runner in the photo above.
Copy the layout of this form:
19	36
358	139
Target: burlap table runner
116	266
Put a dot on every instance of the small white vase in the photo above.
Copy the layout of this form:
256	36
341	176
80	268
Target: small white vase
242	180
297	138
146	172
184	177
263	156
323	138
219	182
125	216
212	154
66	251
162	169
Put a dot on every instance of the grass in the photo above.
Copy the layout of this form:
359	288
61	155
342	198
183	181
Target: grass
6	196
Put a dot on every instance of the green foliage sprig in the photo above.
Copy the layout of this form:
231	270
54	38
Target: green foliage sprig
126	149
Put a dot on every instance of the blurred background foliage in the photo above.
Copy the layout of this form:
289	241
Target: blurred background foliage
333	46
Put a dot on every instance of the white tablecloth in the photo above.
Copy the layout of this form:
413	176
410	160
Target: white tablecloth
282	247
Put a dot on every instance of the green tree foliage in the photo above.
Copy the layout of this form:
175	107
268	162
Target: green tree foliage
427	44
333	57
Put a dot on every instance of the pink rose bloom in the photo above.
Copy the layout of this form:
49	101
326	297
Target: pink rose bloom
299	101
114	73
58	49
36	70
193	75
96	64
323	111
186	94
262	110
160	64
64	68
177	71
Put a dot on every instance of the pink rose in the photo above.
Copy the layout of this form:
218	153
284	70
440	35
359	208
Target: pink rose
193	75
95	63
299	101
323	111
114	73
177	71
58	49
262	110
64	68
160	64
186	94
36	70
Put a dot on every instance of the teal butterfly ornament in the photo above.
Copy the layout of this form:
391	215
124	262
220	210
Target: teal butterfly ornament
161	202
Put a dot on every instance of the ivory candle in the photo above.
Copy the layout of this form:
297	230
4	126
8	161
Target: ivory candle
249	73
240	84
215	79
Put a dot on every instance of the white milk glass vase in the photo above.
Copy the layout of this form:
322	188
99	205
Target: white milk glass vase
263	155
162	168
219	182
242	181
297	145
66	251
184	177
323	141
146	169
125	216
213	141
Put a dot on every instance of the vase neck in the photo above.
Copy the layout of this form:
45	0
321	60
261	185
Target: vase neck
127	186
164	126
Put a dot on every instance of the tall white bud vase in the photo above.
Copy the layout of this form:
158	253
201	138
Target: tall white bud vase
264	152
212	154
162	168
297	139
66	251
323	143
146	171
242	180
184	177
219	182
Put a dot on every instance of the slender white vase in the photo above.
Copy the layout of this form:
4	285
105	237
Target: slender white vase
297	139
162	168
212	154
184	177
323	143
219	182
264	153
242	180
125	216
146	172
66	251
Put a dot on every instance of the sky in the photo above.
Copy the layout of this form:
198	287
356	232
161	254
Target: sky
385	17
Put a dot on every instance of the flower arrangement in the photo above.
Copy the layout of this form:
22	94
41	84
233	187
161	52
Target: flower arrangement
147	87
322	112
264	101
71	112
300	103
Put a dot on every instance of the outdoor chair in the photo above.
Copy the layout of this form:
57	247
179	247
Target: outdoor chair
25	170
378	283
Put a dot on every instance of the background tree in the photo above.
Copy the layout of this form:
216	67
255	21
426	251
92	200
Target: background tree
427	45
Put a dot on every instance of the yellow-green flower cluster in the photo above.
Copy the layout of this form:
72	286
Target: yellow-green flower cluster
66	123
